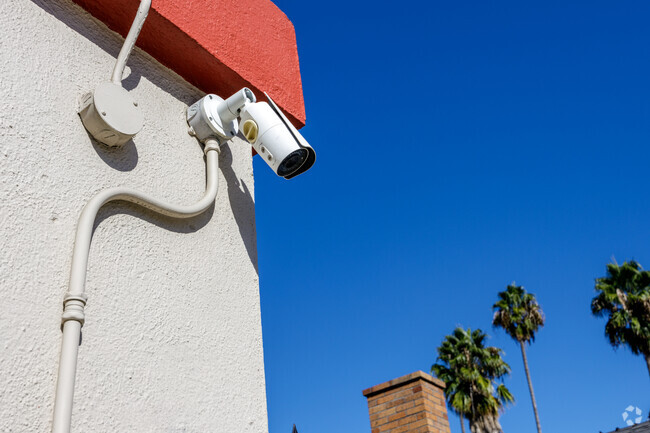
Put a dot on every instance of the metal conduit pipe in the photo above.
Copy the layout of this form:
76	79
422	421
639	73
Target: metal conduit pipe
75	300
129	42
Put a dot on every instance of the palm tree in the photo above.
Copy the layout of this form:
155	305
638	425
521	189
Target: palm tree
470	370
624	296
519	314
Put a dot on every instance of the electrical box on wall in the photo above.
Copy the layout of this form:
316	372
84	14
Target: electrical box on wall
110	114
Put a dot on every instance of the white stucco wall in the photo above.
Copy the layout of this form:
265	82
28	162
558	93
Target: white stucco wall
173	340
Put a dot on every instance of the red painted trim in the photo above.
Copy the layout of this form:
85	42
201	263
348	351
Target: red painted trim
219	46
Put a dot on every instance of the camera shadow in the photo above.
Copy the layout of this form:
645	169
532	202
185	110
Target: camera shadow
242	203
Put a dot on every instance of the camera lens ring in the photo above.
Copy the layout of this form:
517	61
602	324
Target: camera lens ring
292	162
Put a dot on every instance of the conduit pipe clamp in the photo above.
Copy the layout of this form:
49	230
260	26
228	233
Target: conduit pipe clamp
212	144
73	308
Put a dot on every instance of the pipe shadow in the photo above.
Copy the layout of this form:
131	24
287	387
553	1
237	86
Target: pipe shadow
139	62
241	203
124	158
176	225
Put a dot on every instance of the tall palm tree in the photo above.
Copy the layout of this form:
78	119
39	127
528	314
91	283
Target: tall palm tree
471	370
624	297
519	314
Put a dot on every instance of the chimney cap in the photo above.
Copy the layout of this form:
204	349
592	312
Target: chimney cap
400	381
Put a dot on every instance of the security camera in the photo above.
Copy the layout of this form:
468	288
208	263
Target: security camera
275	139
263	124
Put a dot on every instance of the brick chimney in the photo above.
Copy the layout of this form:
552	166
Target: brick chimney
414	403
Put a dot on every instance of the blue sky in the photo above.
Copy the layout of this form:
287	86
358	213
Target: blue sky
461	146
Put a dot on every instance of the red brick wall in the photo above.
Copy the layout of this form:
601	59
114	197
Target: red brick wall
414	403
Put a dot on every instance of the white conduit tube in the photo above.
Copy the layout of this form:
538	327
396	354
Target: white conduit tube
75	299
129	42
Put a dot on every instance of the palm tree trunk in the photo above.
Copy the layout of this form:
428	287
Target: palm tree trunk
530	386
462	424
647	361
487	423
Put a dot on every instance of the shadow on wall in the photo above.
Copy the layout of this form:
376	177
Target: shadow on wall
241	203
176	225
239	196
97	33
123	158
126	158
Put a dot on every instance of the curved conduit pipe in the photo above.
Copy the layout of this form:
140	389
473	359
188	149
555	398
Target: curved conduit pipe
129	42
75	299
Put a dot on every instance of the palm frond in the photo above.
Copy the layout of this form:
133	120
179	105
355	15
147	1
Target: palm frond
518	313
623	297
470	369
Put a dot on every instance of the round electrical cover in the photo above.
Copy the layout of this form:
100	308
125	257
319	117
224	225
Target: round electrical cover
111	114
121	110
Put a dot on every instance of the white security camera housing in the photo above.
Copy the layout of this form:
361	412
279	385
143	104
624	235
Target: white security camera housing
263	124
276	140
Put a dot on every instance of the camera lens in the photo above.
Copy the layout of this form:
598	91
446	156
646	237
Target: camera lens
293	162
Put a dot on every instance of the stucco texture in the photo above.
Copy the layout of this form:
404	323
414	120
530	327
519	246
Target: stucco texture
173	339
